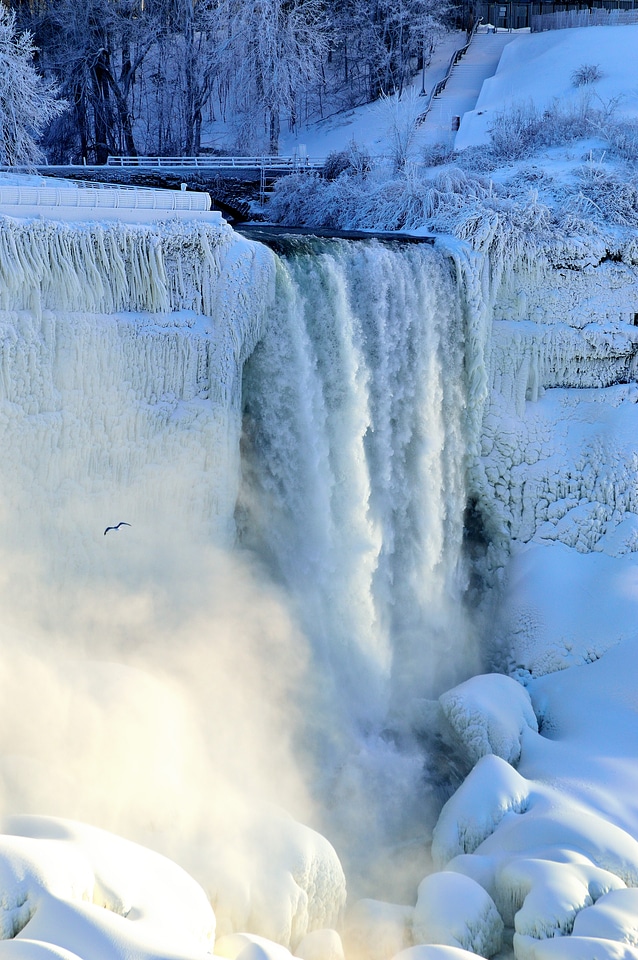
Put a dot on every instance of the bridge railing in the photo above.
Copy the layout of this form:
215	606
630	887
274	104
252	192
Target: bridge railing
219	163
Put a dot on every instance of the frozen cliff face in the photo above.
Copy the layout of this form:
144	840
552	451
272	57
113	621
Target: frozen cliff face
122	348
560	464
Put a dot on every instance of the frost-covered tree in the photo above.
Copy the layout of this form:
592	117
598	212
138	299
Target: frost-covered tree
96	49
274	53
27	102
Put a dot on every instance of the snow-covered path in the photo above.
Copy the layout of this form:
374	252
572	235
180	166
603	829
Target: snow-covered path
462	89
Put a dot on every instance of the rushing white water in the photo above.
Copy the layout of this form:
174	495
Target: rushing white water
354	496
355	403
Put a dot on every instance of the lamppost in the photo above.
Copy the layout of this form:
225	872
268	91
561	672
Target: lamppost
423	90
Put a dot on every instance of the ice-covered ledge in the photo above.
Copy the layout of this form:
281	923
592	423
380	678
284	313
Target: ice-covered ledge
123	198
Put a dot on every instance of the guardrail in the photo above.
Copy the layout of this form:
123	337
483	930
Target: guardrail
219	163
141	199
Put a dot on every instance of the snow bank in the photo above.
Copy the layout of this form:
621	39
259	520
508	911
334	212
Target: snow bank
553	614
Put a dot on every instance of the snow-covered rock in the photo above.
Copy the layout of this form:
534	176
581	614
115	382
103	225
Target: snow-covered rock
492	790
454	910
489	715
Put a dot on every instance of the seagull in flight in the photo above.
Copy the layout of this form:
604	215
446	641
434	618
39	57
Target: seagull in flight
122	523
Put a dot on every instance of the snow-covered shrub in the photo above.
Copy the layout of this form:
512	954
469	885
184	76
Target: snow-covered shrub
400	116
354	160
514	132
586	73
606	196
307	199
336	163
438	154
522	129
622	137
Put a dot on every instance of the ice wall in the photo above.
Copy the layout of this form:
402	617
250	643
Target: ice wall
562	360
122	350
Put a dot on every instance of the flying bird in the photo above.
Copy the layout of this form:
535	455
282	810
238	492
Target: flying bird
122	523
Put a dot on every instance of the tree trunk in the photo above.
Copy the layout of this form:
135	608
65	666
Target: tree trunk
274	131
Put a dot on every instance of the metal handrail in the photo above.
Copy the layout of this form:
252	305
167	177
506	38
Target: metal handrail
454	59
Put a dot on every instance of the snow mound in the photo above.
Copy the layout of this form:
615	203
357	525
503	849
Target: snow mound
91	892
492	790
376	930
289	882
235	945
545	896
489	715
33	950
454	910
613	917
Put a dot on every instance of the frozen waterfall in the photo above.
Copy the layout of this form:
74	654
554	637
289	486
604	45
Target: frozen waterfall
287	437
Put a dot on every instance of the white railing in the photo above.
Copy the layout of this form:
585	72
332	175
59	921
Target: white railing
140	199
219	163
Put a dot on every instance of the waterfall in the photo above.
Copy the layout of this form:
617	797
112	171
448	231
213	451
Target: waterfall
354	494
303	586
355	448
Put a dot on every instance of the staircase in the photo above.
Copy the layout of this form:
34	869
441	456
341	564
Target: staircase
462	89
